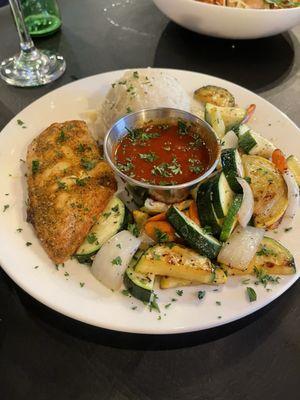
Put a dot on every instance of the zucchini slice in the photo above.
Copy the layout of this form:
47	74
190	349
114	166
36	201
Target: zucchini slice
206	211
271	258
114	218
232	116
269	190
231	218
294	166
232	167
217	277
215	95
195	236
222	196
139	285
178	262
253	143
217	123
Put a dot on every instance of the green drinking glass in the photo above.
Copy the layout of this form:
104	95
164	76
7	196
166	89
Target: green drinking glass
42	17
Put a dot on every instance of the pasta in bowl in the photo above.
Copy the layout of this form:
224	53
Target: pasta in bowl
231	19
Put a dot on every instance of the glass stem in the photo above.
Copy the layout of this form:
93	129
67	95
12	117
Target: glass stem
26	43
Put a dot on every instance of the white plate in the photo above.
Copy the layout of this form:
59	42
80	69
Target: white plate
93	303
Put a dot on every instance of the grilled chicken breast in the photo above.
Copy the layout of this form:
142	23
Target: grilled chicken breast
69	185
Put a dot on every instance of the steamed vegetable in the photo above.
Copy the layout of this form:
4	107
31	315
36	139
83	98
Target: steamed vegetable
294	166
269	190
112	219
231	219
253	143
196	237
271	258
293	199
160	231
219	277
231	116
139	285
179	262
246	209
292	187
113	258
215	95
230	140
232	167
241	247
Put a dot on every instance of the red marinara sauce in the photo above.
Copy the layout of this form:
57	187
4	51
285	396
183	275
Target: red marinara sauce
163	153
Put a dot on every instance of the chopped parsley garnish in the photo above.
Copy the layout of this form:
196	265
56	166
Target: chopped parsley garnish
19	230
251	294
126	292
245	281
106	215
182	128
5	207
201	294
247	179
168	305
88	164
81	284
128	110
91	238
264	278
288	229
136	74
115	208
153	304
148	156
264	251
179	292
125	167
35	166
195	166
161	236
36	267
167	170
118	245
80	182
66	273
62	137
61	185
218	303
20	122
21	160
134	308
117	261
28	244
133	229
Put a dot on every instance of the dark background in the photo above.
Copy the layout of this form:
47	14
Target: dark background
44	355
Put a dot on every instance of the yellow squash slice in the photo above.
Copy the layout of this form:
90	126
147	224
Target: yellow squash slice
269	190
181	263
272	258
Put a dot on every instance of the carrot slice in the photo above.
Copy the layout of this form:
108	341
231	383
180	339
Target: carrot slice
279	160
249	113
193	213
160	231
158	217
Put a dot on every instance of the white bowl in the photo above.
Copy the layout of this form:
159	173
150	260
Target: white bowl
227	22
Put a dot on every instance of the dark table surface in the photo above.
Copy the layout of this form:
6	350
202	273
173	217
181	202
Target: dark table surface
44	355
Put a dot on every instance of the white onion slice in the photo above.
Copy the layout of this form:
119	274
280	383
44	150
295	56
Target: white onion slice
293	200
230	140
241	247
113	258
246	210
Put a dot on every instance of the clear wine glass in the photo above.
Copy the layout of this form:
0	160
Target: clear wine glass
31	67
